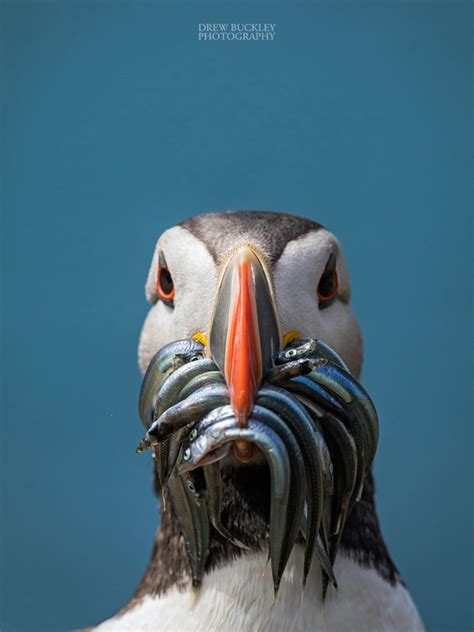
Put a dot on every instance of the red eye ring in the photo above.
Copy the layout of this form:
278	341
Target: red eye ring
324	298
164	284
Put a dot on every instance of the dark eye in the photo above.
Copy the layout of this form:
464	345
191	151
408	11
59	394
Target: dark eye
328	284
165	285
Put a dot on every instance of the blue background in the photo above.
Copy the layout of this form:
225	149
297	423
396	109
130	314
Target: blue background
117	123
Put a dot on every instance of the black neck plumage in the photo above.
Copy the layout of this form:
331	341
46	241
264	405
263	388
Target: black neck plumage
247	509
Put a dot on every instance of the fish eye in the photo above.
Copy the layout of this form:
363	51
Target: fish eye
190	486
328	283
164	284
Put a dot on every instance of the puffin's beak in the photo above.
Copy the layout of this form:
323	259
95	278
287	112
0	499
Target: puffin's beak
245	334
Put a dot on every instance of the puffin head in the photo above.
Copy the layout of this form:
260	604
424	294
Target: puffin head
245	283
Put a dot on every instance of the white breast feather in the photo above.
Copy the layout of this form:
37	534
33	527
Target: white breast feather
240	597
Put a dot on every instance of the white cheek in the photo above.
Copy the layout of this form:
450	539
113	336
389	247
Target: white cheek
155	333
336	325
195	276
340	330
193	312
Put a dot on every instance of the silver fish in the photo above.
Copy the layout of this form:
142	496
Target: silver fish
298	483
281	373
215	499
280	472
171	389
194	524
343	449
184	412
168	358
354	399
301	424
309	348
204	379
319	551
171	393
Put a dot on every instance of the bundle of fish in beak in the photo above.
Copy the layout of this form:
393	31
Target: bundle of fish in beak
246	393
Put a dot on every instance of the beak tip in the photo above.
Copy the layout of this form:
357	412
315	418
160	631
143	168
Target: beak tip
243	451
243	402
242	419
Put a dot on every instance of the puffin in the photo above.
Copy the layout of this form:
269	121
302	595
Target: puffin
305	268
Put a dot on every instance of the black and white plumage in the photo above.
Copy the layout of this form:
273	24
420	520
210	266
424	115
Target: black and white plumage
237	591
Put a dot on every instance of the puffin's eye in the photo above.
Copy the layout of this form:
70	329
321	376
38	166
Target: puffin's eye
165	285
328	284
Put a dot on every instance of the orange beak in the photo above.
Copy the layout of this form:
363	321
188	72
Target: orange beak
245	334
243	358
